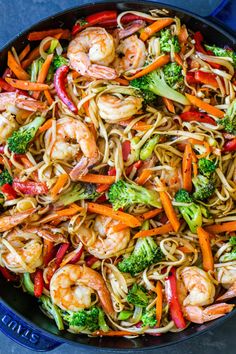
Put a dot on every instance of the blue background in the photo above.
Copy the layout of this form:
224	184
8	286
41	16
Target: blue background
16	15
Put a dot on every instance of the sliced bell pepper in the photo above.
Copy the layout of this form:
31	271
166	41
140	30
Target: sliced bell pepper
38	283
126	149
61	253
230	146
197	117
90	260
8	275
30	187
77	257
59	82
190	78
99	17
9	191
198	37
206	78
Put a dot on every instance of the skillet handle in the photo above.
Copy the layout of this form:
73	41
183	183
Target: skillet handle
225	16
22	333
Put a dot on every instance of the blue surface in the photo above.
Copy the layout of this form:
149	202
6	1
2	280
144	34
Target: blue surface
16	15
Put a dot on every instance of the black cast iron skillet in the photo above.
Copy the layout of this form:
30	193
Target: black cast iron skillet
20	316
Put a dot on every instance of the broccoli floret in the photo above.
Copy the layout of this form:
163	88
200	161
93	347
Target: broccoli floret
167	40
232	240
86	320
79	191
5	178
123	194
230	256
21	138
52	310
149	318
220	52
229	120
204	188
155	82
137	296
145	253
192	213
58	61
206	167
173	74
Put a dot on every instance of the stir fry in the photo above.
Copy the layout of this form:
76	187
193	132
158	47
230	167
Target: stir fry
118	174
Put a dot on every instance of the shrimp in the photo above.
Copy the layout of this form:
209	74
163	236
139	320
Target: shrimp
200	315
20	101
49	235
71	288
133	27
227	277
90	53
21	251
72	136
131	54
117	108
7	222
7	126
107	242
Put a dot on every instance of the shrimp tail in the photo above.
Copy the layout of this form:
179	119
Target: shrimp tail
10	221
82	167
197	314
229	294
101	72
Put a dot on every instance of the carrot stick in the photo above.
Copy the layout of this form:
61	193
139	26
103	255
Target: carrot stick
86	105
137	126
159	300
155	27
144	176
26	85
92	178
183	34
169	104
101	188
43	73
170	211
61	181
187	168
38	36
121	81
16	68
224	227
164	59
24	52
113	333
68	211
48	97
205	245
164	229
178	59
205	106
125	218
184	249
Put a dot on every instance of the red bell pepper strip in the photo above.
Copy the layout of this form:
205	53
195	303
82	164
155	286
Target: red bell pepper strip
6	86
101	199
7	73
112	172
59	82
2	149
30	187
126	149
101	188
8	190
94	19
90	260
172	298
197	117
230	145
190	78
38	283
61	253
198	37
206	78
136	165
124	20
8	275
77	256
49	251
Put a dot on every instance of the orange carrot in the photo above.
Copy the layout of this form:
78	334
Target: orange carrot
183	34
121	81
26	85
159	300
169	104
200	142
48	97
24	52
92	178
86	105
113	333
170	211
144	176
205	245
178	59
164	59
16	67
101	188
155	27
38	36
137	126
164	229
205	106
187	168
125	218
224	227
184	249
61	181
43	73
68	211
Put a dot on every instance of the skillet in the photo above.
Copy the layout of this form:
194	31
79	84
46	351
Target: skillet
20	316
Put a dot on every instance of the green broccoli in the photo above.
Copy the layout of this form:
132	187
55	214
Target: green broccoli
149	318
155	82
206	167
229	120
167	40
123	194
191	213
230	256
58	61
147	149
125	315
145	253
21	138
220	52
79	191
2	200
137	296
5	178
204	188
173	74
86	320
